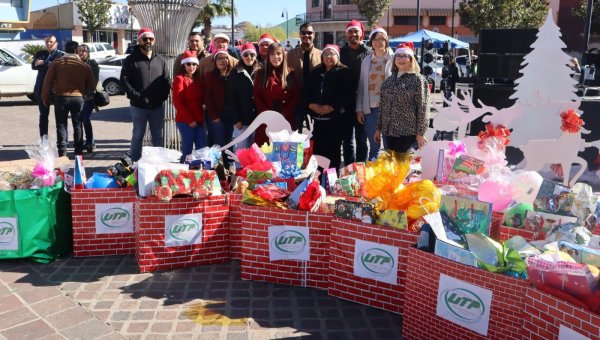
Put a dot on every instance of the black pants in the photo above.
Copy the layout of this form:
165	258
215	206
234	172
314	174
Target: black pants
327	135
401	144
62	107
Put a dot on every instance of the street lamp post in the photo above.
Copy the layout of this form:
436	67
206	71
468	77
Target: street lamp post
232	22
287	28
453	13
418	14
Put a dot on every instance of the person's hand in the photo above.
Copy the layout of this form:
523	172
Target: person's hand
193	125
377	136
360	117
216	121
315	107
39	62
421	141
326	109
239	125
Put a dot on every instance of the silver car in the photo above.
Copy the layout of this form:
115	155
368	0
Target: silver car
110	74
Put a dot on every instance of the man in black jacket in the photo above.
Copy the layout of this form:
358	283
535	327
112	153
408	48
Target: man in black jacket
41	62
144	79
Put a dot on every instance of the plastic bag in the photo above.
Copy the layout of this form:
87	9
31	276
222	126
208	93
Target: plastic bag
209	153
43	154
157	154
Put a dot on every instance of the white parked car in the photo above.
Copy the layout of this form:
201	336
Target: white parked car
101	50
16	76
110	74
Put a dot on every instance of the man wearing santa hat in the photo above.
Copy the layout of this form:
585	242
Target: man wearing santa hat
351	55
219	42
145	80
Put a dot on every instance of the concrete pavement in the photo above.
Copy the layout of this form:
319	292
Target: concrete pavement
106	297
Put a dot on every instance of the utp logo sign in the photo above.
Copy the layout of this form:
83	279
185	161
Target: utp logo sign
184	229
7	232
290	242
464	304
115	218
377	261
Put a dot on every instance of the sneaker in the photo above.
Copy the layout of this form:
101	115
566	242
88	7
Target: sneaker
90	147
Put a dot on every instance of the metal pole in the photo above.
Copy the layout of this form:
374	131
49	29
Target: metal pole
232	22
287	27
453	13
586	31
418	14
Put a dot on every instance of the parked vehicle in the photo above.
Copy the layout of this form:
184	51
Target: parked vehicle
101	50
16	76
110	74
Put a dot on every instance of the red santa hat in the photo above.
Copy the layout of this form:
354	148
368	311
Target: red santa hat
219	51
406	48
376	30
356	25
333	47
267	37
221	36
145	32
248	47
190	57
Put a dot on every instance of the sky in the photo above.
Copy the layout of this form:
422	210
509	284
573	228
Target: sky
258	12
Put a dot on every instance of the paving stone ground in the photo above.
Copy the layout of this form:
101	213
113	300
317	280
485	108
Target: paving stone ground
107	298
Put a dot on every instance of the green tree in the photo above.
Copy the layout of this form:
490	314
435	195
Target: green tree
478	15
253	33
95	14
31	50
581	12
372	10
213	9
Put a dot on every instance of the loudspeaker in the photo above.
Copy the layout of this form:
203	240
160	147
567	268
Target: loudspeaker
500	66
500	41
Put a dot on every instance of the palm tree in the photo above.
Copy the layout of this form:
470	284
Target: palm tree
213	9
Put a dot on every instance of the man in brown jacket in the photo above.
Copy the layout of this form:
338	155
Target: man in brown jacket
303	60
71	80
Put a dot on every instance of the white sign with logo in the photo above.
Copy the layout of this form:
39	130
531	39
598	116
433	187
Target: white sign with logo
9	233
183	230
289	243
566	333
376	261
114	218
464	304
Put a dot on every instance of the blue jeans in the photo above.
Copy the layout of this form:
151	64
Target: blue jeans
220	133
44	113
370	127
142	118
62	107
191	138
352	126
86	113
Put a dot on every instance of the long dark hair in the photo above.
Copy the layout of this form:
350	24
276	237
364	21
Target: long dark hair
196	75
283	70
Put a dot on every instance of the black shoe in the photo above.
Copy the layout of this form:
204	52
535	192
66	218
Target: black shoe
90	147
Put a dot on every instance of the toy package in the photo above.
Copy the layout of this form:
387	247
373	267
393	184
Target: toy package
469	215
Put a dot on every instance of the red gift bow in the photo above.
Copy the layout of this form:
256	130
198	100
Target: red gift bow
499	132
570	121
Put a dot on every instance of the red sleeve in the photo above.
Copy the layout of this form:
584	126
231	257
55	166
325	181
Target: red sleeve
209	96
259	96
182	112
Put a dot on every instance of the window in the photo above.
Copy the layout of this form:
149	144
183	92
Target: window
315	3
108	47
437	20
405	20
344	2
92	48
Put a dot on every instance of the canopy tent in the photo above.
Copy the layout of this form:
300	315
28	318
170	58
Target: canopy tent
436	38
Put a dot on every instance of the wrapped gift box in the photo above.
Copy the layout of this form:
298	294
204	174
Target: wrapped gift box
393	218
358	211
581	254
455	253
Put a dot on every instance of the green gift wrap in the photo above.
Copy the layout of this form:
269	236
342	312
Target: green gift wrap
35	223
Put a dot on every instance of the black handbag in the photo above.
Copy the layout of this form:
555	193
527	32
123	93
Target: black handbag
101	98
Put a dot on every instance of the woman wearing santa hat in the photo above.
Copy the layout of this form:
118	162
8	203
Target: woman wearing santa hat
240	105
327	89
218	124
187	99
374	69
404	104
275	89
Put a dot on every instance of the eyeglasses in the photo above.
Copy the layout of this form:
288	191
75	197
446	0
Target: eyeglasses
402	56
306	32
329	54
249	55
146	39
191	64
379	40
222	59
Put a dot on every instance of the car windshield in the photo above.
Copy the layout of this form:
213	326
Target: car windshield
8	57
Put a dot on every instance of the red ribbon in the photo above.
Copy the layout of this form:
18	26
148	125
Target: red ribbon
500	132
571	122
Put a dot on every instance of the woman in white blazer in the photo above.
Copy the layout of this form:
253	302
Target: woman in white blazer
375	68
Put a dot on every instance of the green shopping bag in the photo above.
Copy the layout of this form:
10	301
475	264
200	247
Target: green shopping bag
35	223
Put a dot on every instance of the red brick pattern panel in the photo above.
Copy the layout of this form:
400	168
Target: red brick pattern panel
151	252
342	281
256	264
235	226
85	240
508	232
545	313
497	221
422	283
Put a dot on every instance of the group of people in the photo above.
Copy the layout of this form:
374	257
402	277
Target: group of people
356	96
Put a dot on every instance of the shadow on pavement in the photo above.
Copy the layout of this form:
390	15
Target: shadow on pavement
119	115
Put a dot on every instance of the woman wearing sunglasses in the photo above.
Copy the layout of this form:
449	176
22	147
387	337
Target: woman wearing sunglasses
187	99
404	104
240	105
275	89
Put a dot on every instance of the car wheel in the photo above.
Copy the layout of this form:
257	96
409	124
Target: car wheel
112	87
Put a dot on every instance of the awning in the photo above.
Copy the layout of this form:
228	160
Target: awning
411	12
438	12
469	39
405	12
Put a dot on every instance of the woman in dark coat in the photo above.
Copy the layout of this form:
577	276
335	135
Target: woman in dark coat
329	88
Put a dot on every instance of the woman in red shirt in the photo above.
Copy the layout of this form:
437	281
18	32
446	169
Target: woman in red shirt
187	99
275	89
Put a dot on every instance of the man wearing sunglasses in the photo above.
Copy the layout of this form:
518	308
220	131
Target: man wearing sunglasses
195	43
304	59
145	81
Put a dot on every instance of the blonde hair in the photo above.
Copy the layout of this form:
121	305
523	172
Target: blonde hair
269	69
414	66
